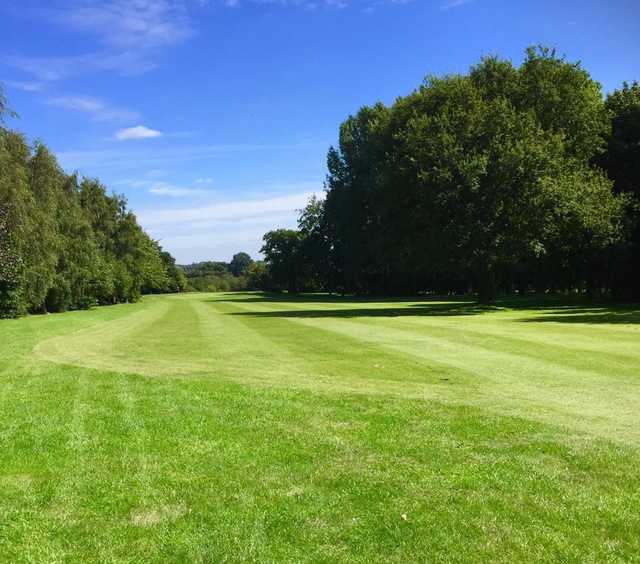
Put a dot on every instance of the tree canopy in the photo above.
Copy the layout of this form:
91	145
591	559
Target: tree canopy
242	273
489	181
240	263
65	243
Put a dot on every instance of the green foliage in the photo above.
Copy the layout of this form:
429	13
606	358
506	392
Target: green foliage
318	269
216	276
206	268
16	204
565	100
622	160
257	276
282	252
4	107
41	255
11	300
622	163
240	263
484	181
226	282
69	245
176	279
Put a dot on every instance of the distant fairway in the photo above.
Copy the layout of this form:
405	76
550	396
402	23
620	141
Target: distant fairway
205	427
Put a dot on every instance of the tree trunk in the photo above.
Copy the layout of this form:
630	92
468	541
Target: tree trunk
486	284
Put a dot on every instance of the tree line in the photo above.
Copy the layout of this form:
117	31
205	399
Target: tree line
65	243
241	273
505	179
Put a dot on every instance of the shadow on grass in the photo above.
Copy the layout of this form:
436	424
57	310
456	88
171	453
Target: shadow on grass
410	311
415	306
266	297
556	309
604	314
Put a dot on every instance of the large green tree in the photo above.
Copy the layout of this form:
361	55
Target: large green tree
470	178
315	248
281	250
66	244
17	207
41	254
622	163
239	263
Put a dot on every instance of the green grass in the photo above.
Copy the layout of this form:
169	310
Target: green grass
209	427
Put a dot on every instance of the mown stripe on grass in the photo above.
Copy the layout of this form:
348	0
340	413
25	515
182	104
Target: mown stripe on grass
100	346
199	468
340	363
621	366
508	383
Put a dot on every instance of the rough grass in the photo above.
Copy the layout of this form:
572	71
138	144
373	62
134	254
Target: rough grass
211	427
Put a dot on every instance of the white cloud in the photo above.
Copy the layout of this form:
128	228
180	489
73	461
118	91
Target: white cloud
156	173
450	4
114	158
166	189
216	245
137	132
367	6
135	183
239	209
96	108
27	86
218	230
130	35
44	68
207	180
130	24
162	188
56	68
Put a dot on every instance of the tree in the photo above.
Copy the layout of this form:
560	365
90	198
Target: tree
66	244
4	107
258	276
41	255
622	163
16	208
470	178
565	100
622	158
10	268
499	183
281	250
318	269
176	278
239	263
354	210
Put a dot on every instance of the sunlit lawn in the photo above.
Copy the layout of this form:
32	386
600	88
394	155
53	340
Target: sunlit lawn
209	427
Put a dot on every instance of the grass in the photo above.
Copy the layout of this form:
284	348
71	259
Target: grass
239	427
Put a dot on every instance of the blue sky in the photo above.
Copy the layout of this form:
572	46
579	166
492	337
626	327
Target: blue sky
214	117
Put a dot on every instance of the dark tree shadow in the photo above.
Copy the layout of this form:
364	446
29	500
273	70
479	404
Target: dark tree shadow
607	315
266	297
410	311
552	308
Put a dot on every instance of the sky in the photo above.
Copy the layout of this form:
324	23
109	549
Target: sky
213	117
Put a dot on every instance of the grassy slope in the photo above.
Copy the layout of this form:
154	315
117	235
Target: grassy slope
193	428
